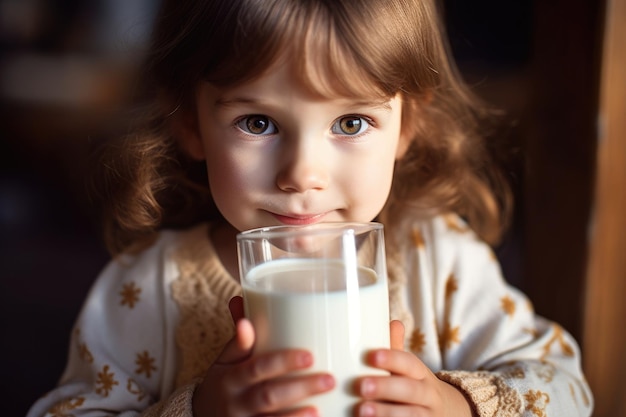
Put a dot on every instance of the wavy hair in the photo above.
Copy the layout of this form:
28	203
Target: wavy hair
370	48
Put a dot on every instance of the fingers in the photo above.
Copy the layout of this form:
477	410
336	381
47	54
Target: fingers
272	365
398	362
371	409
242	384
272	382
277	394
266	383
239	347
397	389
396	330
411	389
245	335
398	396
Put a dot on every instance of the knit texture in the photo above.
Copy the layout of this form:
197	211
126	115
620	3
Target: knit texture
201	291
488	393
177	405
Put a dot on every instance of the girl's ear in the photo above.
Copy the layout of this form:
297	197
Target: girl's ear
184	127
412	109
407	129
404	142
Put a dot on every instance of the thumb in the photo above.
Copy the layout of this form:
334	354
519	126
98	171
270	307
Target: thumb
240	346
396	330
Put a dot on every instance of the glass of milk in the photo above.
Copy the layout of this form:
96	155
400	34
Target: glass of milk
323	288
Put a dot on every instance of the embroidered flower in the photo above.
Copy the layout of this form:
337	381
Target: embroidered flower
105	382
130	295
145	364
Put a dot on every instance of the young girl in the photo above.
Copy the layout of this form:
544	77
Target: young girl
303	112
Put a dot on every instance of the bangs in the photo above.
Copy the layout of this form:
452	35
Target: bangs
335	48
330	64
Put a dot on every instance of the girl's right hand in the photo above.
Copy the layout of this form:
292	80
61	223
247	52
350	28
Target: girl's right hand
240	384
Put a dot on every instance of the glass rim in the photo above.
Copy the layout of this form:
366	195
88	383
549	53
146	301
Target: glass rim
285	230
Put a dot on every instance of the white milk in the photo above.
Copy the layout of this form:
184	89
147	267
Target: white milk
303	303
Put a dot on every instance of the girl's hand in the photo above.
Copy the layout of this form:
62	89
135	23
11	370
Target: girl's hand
411	389
239	384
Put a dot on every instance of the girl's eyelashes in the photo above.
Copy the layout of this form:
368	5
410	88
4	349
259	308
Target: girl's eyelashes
350	125
260	125
256	125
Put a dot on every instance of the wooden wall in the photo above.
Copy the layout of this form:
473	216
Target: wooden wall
560	161
604	337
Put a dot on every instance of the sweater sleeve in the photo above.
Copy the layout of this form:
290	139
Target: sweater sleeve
493	347
120	348
177	405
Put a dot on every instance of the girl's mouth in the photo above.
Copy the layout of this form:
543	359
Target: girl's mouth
300	219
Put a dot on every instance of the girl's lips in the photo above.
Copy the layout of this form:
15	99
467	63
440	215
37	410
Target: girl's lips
299	220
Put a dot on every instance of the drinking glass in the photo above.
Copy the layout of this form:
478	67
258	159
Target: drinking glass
323	288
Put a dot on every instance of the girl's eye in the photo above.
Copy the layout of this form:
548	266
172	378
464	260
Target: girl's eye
257	125
350	125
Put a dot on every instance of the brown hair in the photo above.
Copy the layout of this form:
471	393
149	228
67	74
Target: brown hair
348	47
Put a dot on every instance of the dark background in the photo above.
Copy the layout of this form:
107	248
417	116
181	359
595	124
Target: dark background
64	68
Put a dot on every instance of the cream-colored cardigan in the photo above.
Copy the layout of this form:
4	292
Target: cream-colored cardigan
153	323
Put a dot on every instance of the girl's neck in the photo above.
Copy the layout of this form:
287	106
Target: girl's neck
224	239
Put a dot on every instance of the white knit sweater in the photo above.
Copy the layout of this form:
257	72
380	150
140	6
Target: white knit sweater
153	323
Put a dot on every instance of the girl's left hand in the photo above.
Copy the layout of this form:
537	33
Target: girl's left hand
411	389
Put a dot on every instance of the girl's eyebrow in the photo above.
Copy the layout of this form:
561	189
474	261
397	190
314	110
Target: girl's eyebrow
227	102
373	104
385	105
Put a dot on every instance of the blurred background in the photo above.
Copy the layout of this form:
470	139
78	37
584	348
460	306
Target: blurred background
65	68
65	75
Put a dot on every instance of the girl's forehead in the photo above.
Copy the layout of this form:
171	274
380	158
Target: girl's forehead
313	75
285	77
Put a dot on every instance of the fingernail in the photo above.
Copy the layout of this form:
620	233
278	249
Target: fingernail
379	357
327	381
367	410
367	387
312	413
304	359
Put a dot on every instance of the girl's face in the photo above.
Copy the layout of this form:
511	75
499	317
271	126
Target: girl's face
278	154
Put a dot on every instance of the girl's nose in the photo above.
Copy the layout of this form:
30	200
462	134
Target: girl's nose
303	167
